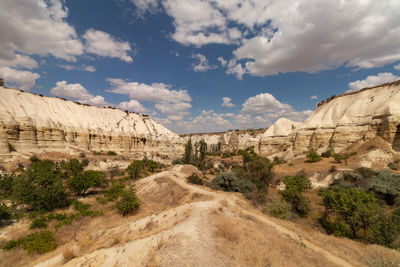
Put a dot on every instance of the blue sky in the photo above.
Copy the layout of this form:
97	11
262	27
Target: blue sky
200	65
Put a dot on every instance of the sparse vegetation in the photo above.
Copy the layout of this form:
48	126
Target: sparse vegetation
313	156
294	187
40	242
279	209
129	202
194	179
111	153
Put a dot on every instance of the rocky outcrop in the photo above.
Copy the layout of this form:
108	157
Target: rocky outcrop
32	123
341	121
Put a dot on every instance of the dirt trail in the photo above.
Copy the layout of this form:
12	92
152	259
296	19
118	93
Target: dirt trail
180	236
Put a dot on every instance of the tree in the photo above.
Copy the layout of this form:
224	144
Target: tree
41	187
6	184
128	202
313	156
294	187
187	158
5	213
227	181
79	184
151	165
72	168
135	168
202	150
260	170
350	212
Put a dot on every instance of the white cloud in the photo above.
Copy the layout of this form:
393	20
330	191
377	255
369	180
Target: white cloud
88	68
155	92
263	103
173	108
21	79
291	35
222	61
143	6
133	106
19	61
397	67
227	102
103	44
77	92
313	97
372	80
37	27
202	63
235	68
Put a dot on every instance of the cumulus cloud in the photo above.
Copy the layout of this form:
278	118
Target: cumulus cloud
202	63
397	67
281	36
19	61
77	92
222	61
103	44
143	6
173	108
22	79
372	80
37	27
133	106
313	97
155	92
263	103
227	102
88	68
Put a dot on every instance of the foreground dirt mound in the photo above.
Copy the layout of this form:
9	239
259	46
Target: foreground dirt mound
181	224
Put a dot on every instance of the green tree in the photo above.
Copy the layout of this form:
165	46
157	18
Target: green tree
386	185
294	187
80	183
41	187
187	158
313	156
151	165
72	168
6	184
350	212
128	203
135	169
5	213
203	150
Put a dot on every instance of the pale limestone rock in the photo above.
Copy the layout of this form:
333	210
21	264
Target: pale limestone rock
31	123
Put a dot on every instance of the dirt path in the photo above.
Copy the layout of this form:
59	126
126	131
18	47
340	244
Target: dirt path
180	236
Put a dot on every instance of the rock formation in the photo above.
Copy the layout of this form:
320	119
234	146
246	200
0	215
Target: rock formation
34	123
342	120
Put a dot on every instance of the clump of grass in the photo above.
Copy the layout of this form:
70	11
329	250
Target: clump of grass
40	243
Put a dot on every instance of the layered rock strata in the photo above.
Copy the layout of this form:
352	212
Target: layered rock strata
32	123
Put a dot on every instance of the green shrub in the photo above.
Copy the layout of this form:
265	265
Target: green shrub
135	169
328	153
5	213
129	202
294	187
40	242
393	166
80	183
333	169
41	187
279	209
227	181
152	166
72	168
339	157
7	182
385	184
114	192
350	212
260	170
194	179
111	153
84	209
313	156
40	222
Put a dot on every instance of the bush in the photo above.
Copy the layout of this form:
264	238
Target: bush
227	181
129	202
114	192
80	183
313	156
387	185
41	187
135	169
279	209
84	209
7	182
328	153
194	179
40	242
349	212
294	187
393	166
260	170
40	222
339	157
72	168
5	213
333	169
152	166
111	153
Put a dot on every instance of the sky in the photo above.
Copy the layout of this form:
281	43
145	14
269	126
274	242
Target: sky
200	65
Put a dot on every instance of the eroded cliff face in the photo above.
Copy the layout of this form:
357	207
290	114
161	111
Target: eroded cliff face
340	121
31	123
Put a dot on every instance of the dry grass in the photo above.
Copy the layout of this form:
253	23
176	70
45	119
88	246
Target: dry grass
68	254
226	229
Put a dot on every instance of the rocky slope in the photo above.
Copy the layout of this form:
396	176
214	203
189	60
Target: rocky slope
34	123
343	120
